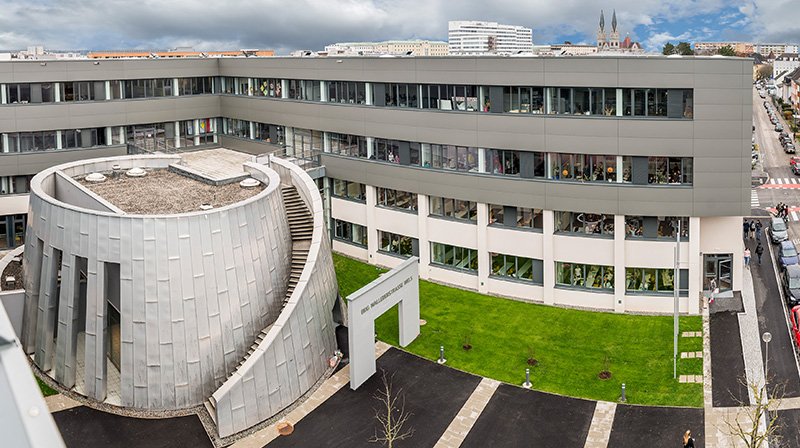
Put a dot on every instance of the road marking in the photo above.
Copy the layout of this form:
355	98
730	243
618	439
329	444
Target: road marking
754	203
794	216
772	181
793	180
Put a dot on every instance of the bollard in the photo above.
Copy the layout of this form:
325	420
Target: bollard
527	384
622	398
441	359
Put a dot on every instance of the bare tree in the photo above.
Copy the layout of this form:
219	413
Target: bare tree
747	425
391	415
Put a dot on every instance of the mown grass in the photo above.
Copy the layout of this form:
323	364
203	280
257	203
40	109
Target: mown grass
571	345
46	390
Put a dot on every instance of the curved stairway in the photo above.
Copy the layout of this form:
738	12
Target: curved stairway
301	228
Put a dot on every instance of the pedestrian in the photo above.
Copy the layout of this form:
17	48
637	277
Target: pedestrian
759	252
688	441
745	229
752	229
747	258
758	230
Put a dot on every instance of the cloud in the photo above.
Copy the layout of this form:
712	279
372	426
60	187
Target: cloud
310	24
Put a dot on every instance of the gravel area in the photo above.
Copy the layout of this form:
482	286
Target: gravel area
164	192
14	269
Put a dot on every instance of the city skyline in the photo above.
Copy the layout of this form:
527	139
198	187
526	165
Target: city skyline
92	25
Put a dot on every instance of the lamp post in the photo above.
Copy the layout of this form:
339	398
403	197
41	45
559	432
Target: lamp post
766	337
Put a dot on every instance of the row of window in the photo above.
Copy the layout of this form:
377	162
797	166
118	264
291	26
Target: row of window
638	170
15	184
585	223
595	101
73	91
576	275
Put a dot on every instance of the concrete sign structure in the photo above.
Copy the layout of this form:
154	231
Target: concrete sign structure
398	286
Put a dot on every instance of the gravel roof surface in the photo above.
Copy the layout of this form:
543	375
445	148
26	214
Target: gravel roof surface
163	192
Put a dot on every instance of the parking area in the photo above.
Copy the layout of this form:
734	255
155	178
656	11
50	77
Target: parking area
656	427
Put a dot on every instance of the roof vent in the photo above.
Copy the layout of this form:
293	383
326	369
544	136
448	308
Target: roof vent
95	178
249	183
206	206
135	172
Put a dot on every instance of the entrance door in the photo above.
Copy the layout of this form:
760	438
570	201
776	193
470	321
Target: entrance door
718	272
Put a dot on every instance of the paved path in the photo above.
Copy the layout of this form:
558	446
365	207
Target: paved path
602	422
455	434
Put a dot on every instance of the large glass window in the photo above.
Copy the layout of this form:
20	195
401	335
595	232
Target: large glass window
83	91
387	150
44	92
396	244
454	257
348	145
401	95
583	167
502	161
236	128
669	170
586	276
450	97
454	208
148	88
521	217
270	133
269	87
31	141
349	190
304	90
519	268
450	157
196	86
349	232
652	280
83	138
347	92
523	100
584	223
656	227
399	199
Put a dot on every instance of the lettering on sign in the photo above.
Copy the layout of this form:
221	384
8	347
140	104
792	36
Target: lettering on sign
385	295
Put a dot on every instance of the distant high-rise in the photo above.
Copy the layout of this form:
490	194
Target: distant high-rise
473	37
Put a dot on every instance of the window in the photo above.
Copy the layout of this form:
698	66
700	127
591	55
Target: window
348	145
347	92
454	257
236	128
454	208
304	90
31	141
397	244
450	157
148	88
502	161
387	150
196	86
586	276
15	184
400	95
653	280
269	87
646	102
450	97
83	138
83	91
669	170
584	223
397	199
519	268
31	93
656	227
523	100
350	233
270	133
518	217
582	167
349	190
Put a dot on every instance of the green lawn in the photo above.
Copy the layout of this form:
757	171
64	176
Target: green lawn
46	390
570	345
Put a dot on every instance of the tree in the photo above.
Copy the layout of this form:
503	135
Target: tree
668	49
764	71
747	423
684	49
391	415
727	50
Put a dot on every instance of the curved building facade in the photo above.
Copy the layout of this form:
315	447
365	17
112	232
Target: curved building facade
553	180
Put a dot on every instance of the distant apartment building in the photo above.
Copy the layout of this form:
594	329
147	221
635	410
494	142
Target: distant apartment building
397	47
776	49
474	38
176	54
740	48
785	63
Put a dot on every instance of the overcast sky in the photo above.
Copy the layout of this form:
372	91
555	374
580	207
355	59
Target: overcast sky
286	25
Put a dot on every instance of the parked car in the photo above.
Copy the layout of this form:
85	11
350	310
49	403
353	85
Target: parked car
794	319
778	127
788	254
789	148
777	230
791	285
795	169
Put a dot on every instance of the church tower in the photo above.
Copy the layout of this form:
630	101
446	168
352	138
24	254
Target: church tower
601	33
614	40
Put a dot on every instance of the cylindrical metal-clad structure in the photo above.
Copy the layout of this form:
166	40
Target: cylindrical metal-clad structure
149	311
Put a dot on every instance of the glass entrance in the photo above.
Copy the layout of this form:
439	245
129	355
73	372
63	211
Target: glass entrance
718	272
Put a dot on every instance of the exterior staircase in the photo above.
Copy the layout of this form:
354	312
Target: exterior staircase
301	228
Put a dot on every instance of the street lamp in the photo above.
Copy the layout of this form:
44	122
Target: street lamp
766	337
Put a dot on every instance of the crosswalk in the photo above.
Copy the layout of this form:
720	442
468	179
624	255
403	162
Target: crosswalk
754	203
782	182
794	213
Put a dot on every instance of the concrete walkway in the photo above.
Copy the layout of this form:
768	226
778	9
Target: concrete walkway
602	422
472	409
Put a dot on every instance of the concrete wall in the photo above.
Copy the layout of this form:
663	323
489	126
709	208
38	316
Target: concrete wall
294	354
195	289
